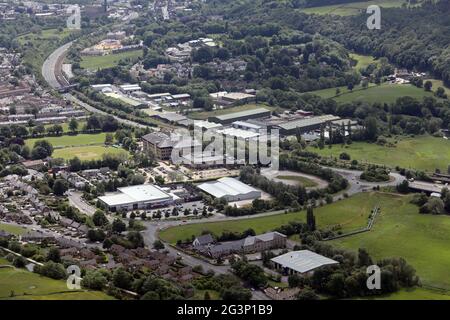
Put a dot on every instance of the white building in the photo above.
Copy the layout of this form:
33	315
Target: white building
144	196
230	189
302	262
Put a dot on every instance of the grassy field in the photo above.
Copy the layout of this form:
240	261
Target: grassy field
65	126
12	229
401	231
421	152
71	141
362	60
110	60
384	93
305	182
86	152
415	294
439	83
349	214
353	8
204	115
31	286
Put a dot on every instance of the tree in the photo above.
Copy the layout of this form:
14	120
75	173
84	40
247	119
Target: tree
42	149
403	187
207	296
371	125
310	219
428	85
73	125
122	279
99	219
54	255
307	294
158	245
60	187
136	239
118	226
109	139
94	280
364	258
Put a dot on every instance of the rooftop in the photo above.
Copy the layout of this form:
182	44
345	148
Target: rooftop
303	261
306	122
240	114
133	194
226	186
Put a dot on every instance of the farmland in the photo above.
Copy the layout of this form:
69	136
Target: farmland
422	152
353	8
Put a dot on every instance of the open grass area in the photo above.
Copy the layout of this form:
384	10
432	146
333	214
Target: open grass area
71	140
110	60
65	126
206	114
439	83
417	293
349	214
384	93
86	152
305	182
200	295
31	286
362	60
421	152
353	8
12	229
400	231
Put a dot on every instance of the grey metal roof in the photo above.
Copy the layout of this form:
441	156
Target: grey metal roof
242	114
306	122
269	236
303	261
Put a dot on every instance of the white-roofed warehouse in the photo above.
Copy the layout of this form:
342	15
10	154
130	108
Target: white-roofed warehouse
144	196
303	261
230	189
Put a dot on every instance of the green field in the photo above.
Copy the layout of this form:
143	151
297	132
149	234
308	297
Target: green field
12	229
44	35
415	294
206	114
401	231
384	93
87	152
305	182
353	8
31	286
439	83
71	141
362	60
110	60
422	152
65	126
349	214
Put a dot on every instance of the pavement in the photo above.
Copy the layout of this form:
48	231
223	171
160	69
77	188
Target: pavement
76	200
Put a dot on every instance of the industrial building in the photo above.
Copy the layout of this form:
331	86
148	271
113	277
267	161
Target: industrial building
162	145
305	124
145	196
301	262
230	189
241	116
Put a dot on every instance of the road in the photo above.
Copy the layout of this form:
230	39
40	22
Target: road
76	200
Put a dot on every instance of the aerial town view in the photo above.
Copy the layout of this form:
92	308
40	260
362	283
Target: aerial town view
227	150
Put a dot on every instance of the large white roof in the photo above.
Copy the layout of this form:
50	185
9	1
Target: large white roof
133	194
303	261
226	187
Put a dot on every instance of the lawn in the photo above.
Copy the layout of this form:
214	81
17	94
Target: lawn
31	286
200	295
400	231
421	152
71	140
206	114
305	182
86	152
65	126
348	214
439	83
362	60
110	60
12	229
353	8
417	293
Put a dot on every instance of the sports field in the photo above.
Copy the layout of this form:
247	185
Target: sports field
71	140
421	152
86	152
25	285
110	60
384	93
349	214
353	8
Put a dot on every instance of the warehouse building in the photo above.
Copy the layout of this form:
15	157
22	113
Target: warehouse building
301	262
230	189
241	116
305	124
145	196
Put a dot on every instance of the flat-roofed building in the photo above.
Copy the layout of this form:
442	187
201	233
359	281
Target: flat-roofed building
241	116
301	262
239	133
206	125
162	145
145	196
247	126
305	124
230	189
